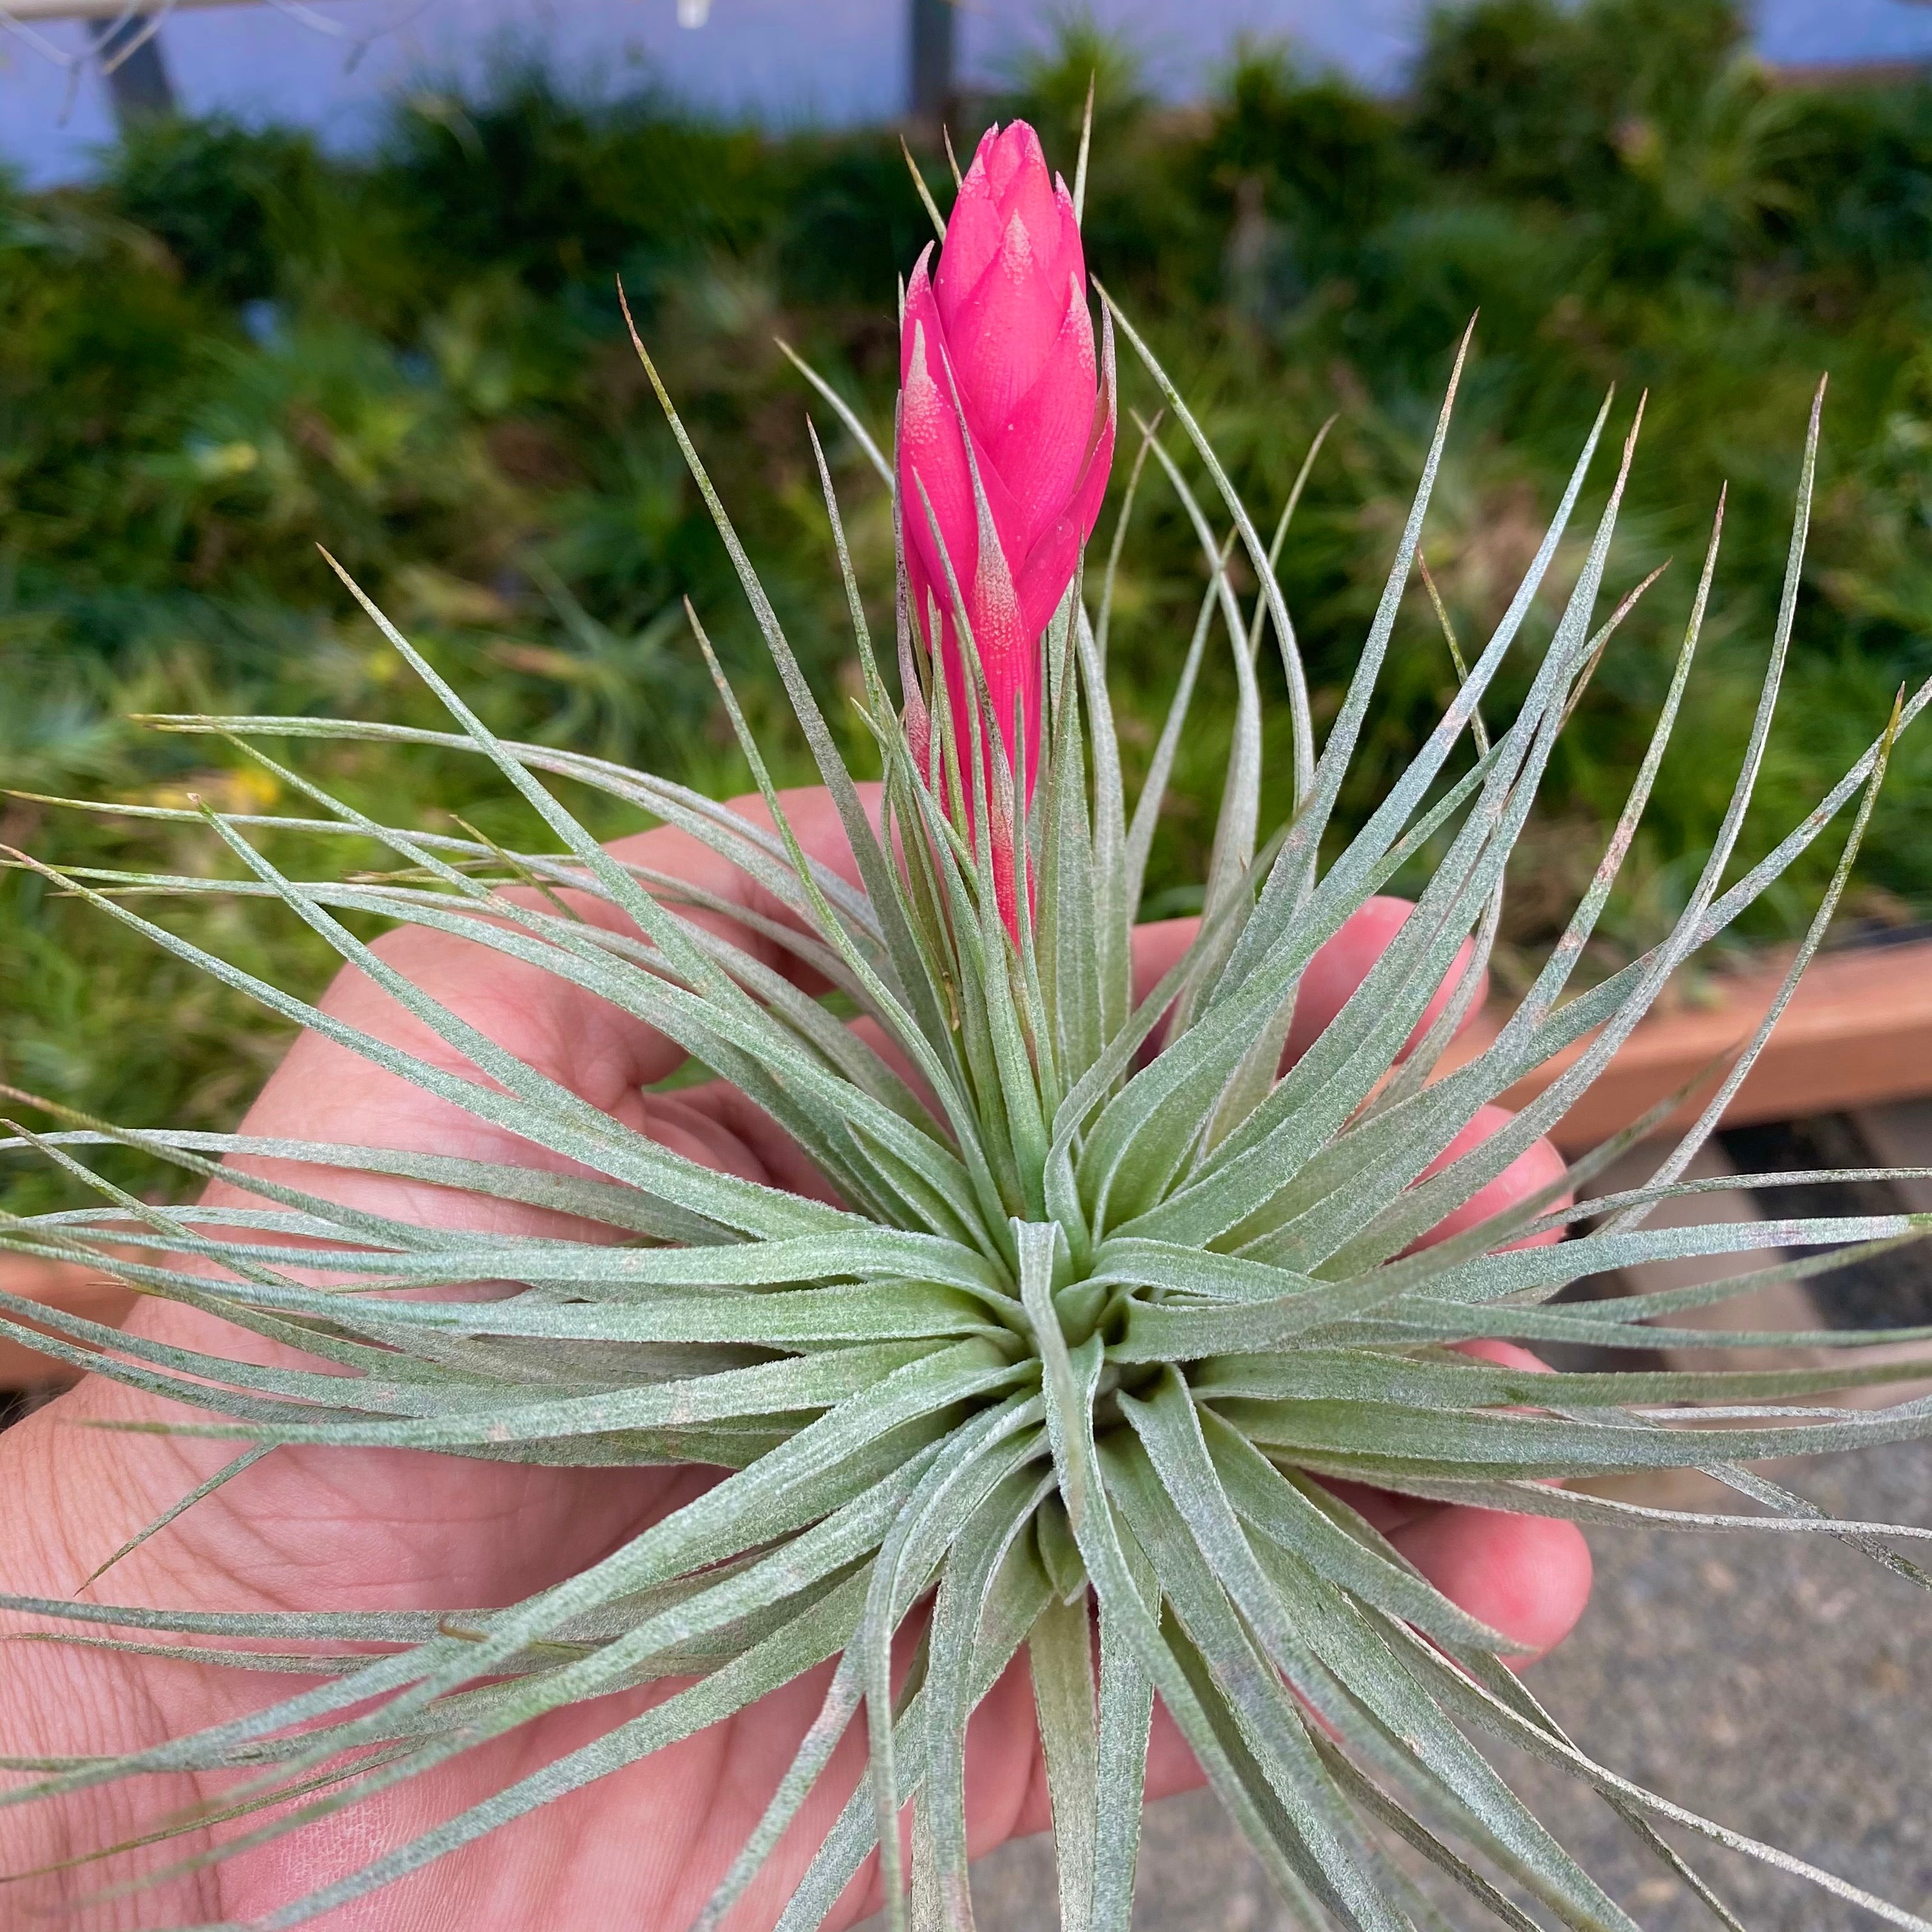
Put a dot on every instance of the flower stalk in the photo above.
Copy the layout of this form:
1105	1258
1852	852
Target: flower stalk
1005	438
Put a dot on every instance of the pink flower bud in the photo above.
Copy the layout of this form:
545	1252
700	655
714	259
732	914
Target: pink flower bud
999	384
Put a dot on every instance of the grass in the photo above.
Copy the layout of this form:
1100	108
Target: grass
231	348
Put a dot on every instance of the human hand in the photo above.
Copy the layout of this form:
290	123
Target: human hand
309	1529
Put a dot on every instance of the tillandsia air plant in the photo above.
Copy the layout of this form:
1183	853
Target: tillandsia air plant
1096	1299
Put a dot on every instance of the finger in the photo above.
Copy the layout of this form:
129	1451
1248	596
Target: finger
1338	967
812	816
493	992
326	1092
576	1037
1526	1576
1158	945
70	1288
1538	1166
1341	965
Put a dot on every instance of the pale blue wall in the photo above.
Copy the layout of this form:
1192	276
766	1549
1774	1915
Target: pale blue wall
831	61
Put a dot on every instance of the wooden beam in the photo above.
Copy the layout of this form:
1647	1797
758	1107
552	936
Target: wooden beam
91	10
931	37
1858	1032
128	51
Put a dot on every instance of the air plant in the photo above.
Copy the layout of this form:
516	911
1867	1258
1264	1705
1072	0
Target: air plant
1099	1298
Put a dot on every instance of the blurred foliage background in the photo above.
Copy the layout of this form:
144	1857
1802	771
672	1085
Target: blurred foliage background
232	347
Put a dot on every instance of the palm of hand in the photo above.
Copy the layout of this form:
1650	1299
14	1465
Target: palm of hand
308	1529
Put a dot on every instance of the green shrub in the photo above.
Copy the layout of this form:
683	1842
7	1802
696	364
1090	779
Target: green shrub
230	203
232	347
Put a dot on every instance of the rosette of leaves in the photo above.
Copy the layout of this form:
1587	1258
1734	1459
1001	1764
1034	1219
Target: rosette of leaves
1106	1301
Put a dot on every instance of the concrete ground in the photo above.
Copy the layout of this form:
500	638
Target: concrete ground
1779	1685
